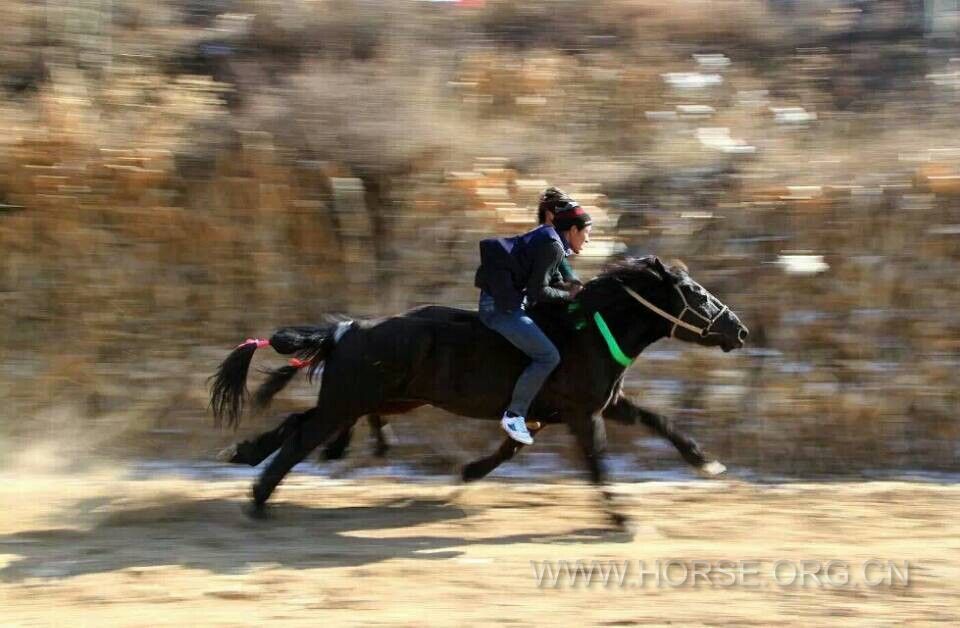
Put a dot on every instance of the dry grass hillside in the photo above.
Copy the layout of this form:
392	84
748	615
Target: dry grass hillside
177	176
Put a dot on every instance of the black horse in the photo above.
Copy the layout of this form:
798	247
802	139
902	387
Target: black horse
446	358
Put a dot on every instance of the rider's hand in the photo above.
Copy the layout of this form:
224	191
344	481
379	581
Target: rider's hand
575	289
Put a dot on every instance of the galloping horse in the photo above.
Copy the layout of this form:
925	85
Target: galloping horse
446	358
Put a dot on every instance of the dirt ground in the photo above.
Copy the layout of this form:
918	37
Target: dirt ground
97	548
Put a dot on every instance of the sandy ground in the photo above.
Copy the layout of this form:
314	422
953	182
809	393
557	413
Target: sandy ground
96	549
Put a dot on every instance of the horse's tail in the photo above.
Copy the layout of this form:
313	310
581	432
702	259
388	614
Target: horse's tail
310	345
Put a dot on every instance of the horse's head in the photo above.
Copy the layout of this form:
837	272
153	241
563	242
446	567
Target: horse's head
684	308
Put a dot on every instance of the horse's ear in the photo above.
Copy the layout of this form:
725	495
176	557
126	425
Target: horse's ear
657	269
650	271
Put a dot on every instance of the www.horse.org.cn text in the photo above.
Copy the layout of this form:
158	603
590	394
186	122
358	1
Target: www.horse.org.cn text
691	573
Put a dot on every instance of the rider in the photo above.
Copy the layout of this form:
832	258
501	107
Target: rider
550	198
515	273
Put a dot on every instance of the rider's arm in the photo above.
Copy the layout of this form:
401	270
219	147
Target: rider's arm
546	258
566	271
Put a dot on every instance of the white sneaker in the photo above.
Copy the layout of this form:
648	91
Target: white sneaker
516	428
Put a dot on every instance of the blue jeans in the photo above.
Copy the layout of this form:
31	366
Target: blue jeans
523	334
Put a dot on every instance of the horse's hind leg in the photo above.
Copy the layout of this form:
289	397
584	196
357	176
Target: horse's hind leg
337	448
507	450
256	450
380	431
313	431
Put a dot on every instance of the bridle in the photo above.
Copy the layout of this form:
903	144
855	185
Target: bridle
678	320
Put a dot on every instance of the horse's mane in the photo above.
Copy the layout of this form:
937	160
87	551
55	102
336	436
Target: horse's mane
632	266
598	291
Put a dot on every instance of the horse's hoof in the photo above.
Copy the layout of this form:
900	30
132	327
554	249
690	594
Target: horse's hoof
713	468
620	521
228	454
334	453
256	511
471	473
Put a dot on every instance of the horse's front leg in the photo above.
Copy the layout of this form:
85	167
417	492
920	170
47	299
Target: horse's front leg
624	411
591	436
507	450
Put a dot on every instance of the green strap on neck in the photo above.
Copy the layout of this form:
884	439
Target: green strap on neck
615	351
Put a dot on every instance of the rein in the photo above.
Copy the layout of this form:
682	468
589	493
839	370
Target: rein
677	321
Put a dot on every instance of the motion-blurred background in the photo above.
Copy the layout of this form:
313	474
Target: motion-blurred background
179	175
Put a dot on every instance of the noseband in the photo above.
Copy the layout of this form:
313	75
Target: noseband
677	320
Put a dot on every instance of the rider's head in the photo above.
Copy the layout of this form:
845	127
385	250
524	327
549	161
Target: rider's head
573	223
549	200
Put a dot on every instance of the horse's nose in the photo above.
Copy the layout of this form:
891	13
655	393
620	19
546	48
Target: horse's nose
742	334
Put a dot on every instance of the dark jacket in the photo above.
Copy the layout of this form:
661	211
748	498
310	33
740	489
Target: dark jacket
527	265
566	271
